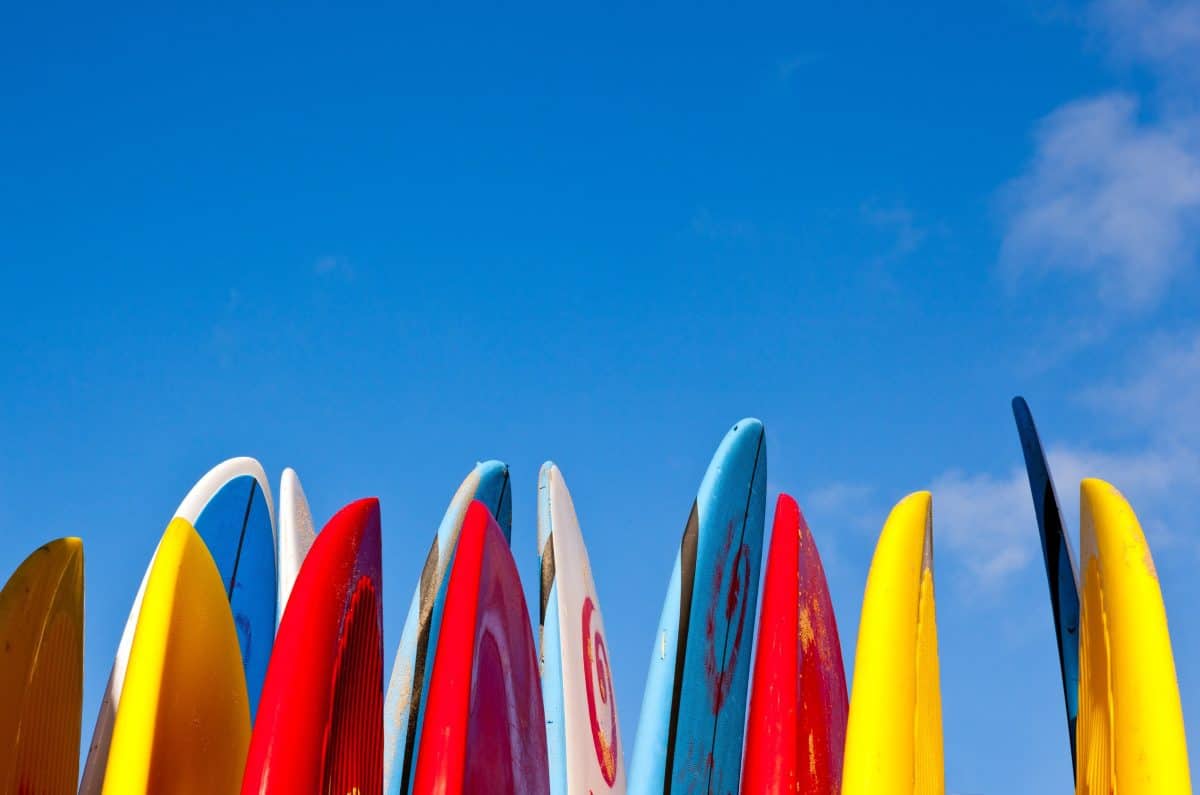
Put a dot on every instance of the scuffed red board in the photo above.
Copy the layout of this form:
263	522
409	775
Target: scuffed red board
796	732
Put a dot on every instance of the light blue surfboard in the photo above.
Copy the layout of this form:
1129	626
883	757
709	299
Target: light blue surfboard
689	736
403	709
232	510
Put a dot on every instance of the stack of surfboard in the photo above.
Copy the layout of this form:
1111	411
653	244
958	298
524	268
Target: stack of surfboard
252	658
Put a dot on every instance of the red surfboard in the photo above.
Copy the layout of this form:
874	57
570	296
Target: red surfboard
796	732
320	721
484	729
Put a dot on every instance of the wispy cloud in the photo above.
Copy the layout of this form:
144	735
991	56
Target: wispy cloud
705	224
1112	191
1109	196
985	522
331	265
1164	35
1162	394
788	67
899	221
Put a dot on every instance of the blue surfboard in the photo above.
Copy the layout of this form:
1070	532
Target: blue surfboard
403	709
1060	564
689	736
232	510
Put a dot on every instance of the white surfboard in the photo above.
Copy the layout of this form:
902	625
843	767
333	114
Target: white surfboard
583	739
223	535
296	534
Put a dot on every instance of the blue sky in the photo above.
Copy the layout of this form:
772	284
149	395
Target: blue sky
379	245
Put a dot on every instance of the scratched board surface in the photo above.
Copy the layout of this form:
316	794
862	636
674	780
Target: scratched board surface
582	734
404	707
690	730
1060	566
231	509
796	731
1132	739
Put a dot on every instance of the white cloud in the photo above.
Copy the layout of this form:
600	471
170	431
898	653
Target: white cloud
1110	196
1112	191
986	522
1162	394
706	225
1162	34
899	221
331	265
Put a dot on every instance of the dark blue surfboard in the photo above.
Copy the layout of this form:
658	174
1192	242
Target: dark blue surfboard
1060	564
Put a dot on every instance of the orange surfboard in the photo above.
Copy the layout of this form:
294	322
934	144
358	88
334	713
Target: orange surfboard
41	678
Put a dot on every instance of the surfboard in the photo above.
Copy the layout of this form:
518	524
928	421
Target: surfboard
1060	564
894	730
484	731
231	508
320	722
184	718
582	733
296	534
690	731
404	708
796	731
41	678
1131	732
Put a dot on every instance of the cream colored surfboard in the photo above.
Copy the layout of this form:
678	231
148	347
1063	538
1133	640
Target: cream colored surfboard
296	534
583	740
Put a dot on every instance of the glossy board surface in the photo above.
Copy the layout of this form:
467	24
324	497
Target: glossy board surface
894	729
1061	575
184	718
320	725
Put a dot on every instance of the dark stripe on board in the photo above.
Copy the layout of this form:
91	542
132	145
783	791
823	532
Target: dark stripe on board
687	570
242	536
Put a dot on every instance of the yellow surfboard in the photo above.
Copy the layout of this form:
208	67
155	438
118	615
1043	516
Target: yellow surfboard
41	675
894	732
183	724
1130	729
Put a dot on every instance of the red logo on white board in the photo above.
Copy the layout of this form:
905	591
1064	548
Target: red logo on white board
598	676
